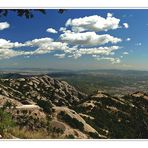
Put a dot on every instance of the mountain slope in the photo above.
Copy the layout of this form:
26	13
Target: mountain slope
125	117
57	108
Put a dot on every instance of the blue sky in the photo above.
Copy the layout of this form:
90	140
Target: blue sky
91	39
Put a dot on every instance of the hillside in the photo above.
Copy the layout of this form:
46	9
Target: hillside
44	107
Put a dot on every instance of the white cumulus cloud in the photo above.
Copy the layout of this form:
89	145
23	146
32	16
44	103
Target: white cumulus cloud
4	25
6	44
59	55
51	30
42	46
94	51
128	39
62	29
111	59
78	38
88	38
93	23
125	53
138	44
39	42
126	25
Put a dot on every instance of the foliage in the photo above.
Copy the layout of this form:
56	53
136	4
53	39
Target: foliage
46	105
94	135
71	121
6	122
8	105
29	134
57	130
70	136
30	122
27	13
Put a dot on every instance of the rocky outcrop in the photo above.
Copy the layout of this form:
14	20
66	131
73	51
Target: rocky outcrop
41	87
73	121
124	117
41	102
31	101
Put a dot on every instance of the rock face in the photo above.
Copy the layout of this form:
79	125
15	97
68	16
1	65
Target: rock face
41	87
33	99
125	117
44	103
72	122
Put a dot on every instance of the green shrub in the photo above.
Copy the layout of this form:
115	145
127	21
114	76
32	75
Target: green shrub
94	135
72	121
57	130
46	105
6	122
7	104
70	137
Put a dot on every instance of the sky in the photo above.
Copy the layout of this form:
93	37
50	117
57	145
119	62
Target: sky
77	39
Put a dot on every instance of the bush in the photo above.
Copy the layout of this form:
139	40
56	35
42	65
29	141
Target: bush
72	121
6	122
57	130
24	133
46	105
94	135
7	105
70	137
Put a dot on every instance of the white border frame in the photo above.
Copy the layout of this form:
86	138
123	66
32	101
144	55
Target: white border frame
73	3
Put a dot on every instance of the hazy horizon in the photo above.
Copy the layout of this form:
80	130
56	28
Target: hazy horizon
63	70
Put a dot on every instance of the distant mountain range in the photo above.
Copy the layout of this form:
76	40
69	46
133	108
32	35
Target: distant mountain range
9	69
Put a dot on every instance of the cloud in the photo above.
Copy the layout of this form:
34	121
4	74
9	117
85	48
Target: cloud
7	49
94	51
78	38
6	44
88	38
7	53
4	25
138	44
125	53
47	48
51	30
93	23
39	42
128	39
99	50
111	59
59	55
62	29
46	45
126	25
43	46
